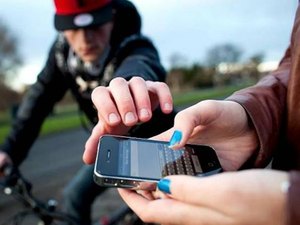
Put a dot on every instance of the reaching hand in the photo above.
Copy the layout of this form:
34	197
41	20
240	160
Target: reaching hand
248	197
221	124
124	104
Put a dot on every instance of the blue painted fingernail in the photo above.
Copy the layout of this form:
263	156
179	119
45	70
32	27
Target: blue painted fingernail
176	138
164	185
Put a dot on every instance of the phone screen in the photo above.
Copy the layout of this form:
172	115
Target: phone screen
152	160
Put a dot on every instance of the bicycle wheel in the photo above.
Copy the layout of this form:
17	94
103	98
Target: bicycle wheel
26	217
57	218
29	217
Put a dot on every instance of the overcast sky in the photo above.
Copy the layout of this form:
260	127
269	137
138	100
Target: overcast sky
187	27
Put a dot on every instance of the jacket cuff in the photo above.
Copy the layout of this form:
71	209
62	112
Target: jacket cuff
293	202
261	157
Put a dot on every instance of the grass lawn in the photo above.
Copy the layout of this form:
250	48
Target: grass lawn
198	95
63	119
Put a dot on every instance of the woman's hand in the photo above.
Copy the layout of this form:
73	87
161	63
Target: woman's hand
248	197
122	105
222	124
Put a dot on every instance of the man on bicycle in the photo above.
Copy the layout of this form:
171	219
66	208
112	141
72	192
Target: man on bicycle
96	42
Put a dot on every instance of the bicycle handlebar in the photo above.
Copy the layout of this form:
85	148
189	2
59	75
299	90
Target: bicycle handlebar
13	178
16	185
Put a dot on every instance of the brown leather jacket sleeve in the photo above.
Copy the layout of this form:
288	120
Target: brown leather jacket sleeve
265	104
293	215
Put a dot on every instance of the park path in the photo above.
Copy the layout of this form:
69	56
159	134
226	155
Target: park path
51	163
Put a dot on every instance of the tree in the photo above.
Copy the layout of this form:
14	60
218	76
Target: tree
224	53
9	63
177	60
252	66
257	58
10	59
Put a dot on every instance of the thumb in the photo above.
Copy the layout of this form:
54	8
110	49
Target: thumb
179	134
90	152
180	187
190	189
185	122
194	118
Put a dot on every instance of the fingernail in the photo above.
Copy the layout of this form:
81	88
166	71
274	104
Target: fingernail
285	185
129	117
113	118
168	106
164	185
176	138
144	113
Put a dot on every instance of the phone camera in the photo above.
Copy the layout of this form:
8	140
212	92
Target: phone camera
211	164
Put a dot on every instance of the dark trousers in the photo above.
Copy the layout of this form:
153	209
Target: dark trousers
80	194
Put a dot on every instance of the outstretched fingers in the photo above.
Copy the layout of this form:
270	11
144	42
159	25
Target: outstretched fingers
160	94
141	99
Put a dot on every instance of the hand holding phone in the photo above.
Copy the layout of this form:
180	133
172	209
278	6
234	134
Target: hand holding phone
140	163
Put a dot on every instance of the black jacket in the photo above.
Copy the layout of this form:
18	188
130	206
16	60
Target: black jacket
131	54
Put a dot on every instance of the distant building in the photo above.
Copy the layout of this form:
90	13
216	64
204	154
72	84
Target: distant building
264	67
267	67
234	73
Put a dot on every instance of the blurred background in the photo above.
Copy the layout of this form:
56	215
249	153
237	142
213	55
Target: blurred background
210	48
205	45
185	32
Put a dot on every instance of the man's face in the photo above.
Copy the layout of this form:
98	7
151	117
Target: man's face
89	43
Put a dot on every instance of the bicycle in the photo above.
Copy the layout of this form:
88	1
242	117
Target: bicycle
46	213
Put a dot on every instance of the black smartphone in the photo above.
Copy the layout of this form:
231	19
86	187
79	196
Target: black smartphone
140	163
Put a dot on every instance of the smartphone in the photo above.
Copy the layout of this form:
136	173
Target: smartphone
138	163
